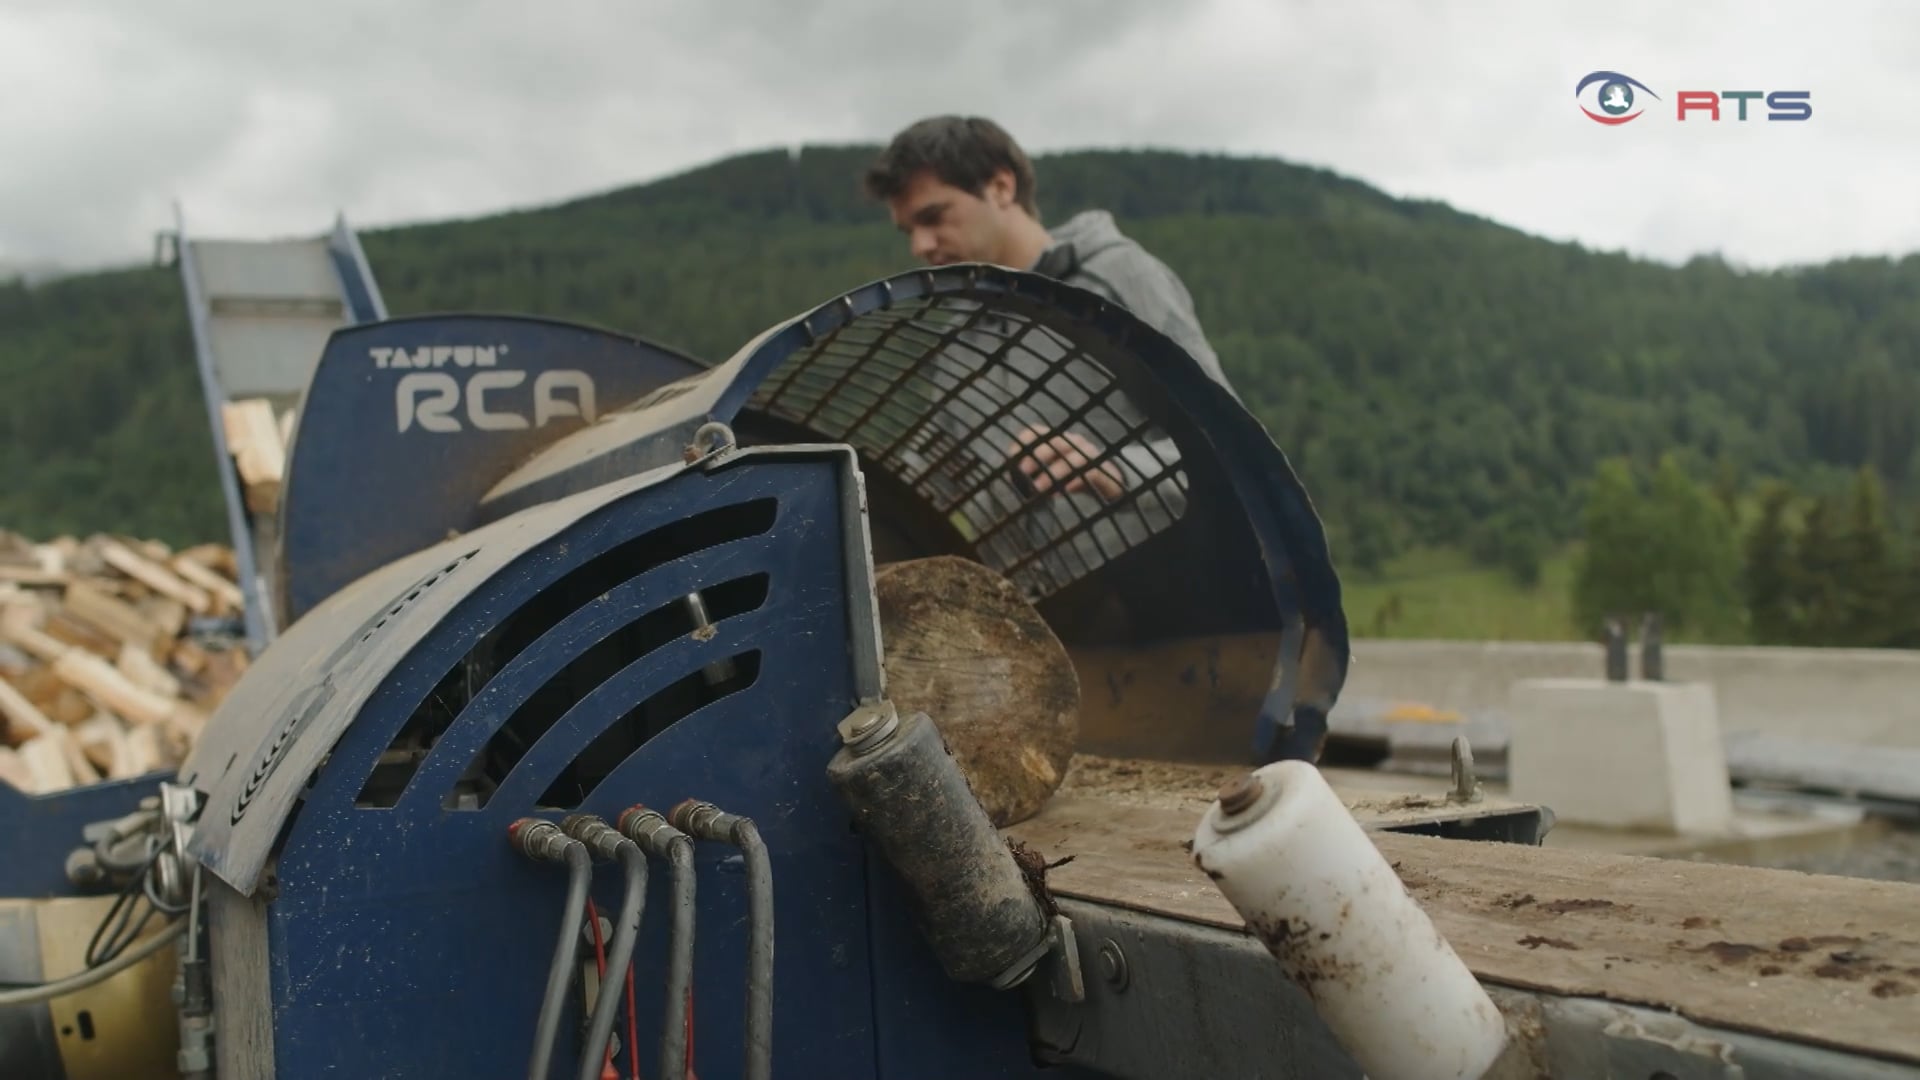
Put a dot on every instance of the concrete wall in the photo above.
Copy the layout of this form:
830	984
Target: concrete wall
1861	696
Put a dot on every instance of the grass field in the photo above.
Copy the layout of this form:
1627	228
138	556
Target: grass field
1441	594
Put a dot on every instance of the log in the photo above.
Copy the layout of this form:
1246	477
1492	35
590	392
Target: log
253	438
216	557
23	719
14	771
105	684
46	762
67	630
101	609
143	671
104	742
963	646
198	573
168	616
98	674
69	706
154	576
33	576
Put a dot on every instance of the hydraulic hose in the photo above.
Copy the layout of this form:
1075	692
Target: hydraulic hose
708	822
27	995
607	842
649	829
543	840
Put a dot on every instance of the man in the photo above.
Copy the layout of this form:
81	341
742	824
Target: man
962	190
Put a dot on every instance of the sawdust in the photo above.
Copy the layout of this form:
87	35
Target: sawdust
1159	784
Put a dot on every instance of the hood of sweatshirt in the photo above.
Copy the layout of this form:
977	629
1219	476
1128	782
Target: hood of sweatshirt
1078	239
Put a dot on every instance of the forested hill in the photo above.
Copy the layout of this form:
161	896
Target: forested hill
1435	377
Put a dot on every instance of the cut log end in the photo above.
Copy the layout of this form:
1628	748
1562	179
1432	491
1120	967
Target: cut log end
963	646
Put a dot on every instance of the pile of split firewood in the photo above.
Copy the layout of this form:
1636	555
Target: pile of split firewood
113	653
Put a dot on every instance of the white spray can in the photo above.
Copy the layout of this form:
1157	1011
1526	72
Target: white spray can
1291	859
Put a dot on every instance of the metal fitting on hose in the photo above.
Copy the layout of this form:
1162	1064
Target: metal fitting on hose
650	829
602	839
705	821
539	840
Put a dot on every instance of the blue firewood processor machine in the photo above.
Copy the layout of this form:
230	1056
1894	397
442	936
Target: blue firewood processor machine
568	746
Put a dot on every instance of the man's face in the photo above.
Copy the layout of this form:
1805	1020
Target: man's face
945	224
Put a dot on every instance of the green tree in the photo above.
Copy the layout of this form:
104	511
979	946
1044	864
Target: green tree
1670	550
1819	578
1768	570
1609	577
1693	554
1514	541
1868	574
1906	593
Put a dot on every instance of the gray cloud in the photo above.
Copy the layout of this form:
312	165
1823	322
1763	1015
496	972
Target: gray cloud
264	119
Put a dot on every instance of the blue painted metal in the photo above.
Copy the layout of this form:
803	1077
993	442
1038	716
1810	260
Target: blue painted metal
260	626
42	829
406	939
357	284
377	471
1248	554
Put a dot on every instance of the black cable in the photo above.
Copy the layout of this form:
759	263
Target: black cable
122	936
118	916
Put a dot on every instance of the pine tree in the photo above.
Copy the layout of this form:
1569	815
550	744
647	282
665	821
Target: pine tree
1768	569
1818	586
1608	579
1694	556
1671	550
1867	573
1905	618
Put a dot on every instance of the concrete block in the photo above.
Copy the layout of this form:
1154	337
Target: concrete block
1634	755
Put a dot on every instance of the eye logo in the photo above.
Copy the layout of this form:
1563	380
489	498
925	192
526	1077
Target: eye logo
1615	98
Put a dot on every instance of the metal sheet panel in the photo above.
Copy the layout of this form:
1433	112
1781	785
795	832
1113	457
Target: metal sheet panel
267	270
366	885
408	421
280	721
42	829
268	356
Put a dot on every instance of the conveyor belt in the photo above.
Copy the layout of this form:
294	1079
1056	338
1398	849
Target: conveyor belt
1825	961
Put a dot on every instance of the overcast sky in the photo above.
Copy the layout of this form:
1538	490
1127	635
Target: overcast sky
264	117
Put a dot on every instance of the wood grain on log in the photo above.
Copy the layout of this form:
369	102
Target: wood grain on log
963	646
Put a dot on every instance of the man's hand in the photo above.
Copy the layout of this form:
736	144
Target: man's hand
1063	460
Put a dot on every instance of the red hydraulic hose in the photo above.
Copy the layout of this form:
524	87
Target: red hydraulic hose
600	964
633	1030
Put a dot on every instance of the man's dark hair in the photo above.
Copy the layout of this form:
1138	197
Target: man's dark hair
964	151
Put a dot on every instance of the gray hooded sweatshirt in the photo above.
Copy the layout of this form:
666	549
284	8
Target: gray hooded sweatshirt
1089	251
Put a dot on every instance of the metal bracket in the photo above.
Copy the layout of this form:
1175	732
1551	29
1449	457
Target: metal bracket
1633	1049
1065	978
1466	786
712	442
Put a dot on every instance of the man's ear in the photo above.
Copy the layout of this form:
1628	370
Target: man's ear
1001	189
